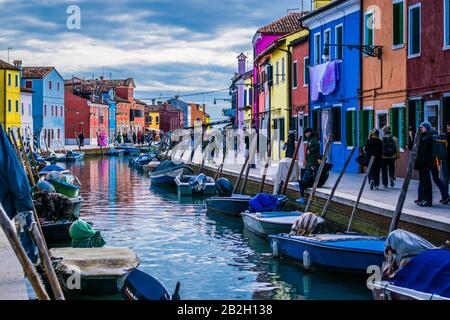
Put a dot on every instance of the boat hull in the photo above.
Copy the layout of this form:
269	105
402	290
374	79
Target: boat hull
66	189
230	206
57	232
354	255
168	177
184	188
269	223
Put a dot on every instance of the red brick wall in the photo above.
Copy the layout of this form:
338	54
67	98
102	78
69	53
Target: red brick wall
76	112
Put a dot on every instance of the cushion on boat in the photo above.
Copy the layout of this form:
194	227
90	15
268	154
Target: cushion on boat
264	202
305	225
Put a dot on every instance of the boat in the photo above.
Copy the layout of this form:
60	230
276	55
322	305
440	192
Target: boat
115	152
167	171
234	205
266	223
64	188
56	232
195	185
138	285
150	166
98	269
69	156
76	203
42	159
337	252
128	148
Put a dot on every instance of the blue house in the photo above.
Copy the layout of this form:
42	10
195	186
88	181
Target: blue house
334	83
108	97
48	104
184	106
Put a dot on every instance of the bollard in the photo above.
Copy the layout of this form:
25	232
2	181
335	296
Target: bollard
275	252
306	260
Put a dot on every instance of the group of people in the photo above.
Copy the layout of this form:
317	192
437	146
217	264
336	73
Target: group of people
429	163
139	138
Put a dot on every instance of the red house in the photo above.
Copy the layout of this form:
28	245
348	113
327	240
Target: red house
170	118
428	67
300	81
84	115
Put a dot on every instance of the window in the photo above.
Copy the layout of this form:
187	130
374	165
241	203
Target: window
28	84
369	26
50	85
446	108
339	34
150	119
9	106
17	106
366	124
250	97
23	109
52	111
56	111
306	72
59	133
9	79
447	24
277	70
57	86
245	97
350	128
398	29
283	74
295	75
337	128
326	40
414	31
16	79
317	53
397	116
45	110
431	113
62	111
157	120
29	109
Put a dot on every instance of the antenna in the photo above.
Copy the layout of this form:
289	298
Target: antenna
9	49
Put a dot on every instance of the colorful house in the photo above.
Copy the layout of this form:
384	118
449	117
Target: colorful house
248	99
137	118
384	78
10	113
26	111
108	97
170	118
152	117
48	103
428	68
196	114
182	105
335	71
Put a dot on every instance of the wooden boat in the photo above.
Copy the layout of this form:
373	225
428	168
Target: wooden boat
150	166
137	285
186	187
167	171
337	252
56	232
266	223
98	268
67	189
234	205
74	156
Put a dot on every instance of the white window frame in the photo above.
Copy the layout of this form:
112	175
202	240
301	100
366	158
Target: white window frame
327	31
317	49
283	70
295	71
341	25
372	12
446	25
401	45
379	112
437	103
305	70
410	8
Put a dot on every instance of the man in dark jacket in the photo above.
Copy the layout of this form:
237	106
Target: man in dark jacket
446	165
424	163
374	147
312	162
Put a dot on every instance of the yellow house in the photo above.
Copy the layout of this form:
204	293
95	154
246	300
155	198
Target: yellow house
9	96
248	97
280	95
152	118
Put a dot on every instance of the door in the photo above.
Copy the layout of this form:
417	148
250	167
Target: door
325	126
431	114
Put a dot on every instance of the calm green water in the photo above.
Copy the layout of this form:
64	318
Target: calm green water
212	256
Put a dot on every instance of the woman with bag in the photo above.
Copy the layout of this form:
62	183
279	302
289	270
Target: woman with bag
374	147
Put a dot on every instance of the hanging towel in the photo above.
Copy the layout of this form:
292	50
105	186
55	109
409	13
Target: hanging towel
315	76
330	77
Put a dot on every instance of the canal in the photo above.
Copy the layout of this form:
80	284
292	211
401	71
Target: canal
212	256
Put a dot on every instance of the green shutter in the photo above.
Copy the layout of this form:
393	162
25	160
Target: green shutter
353	129
402	128
371	124
363	128
419	113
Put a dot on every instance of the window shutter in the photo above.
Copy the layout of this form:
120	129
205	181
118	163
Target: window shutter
363	128
371	124
402	128
420	114
391	118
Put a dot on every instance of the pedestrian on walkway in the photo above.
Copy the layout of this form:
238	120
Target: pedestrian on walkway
445	166
290	145
81	138
435	174
391	152
374	147
424	163
134	137
312	163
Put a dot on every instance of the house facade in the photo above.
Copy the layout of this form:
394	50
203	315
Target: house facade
48	104
26	113
334	81
10	114
152	118
183	106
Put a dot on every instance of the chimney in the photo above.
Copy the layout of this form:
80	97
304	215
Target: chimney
242	60
153	102
18	63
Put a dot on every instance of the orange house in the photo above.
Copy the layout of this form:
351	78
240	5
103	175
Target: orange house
384	79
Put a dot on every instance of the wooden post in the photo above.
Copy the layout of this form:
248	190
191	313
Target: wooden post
77	140
404	191
27	265
26	162
266	166
219	171
241	173
319	173
251	153
336	184
291	167
46	262
355	207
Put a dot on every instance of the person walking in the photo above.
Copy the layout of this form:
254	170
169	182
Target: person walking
374	147
445	166
134	137
436	176
391	153
312	163
290	145
81	138
424	163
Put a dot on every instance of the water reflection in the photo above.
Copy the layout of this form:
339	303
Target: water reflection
212	255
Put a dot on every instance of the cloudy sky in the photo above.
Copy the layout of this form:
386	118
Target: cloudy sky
168	46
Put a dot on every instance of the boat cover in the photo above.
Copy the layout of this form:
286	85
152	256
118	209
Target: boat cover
427	272
401	246
95	262
50	168
264	202
304	225
167	165
84	236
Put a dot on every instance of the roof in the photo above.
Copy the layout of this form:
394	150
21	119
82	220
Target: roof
121	100
36	72
26	90
286	24
120	83
298	41
320	10
6	66
140	102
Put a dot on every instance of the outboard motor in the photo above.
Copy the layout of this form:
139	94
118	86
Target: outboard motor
224	187
198	184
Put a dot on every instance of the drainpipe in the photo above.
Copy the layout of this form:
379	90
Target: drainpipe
361	39
5	102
